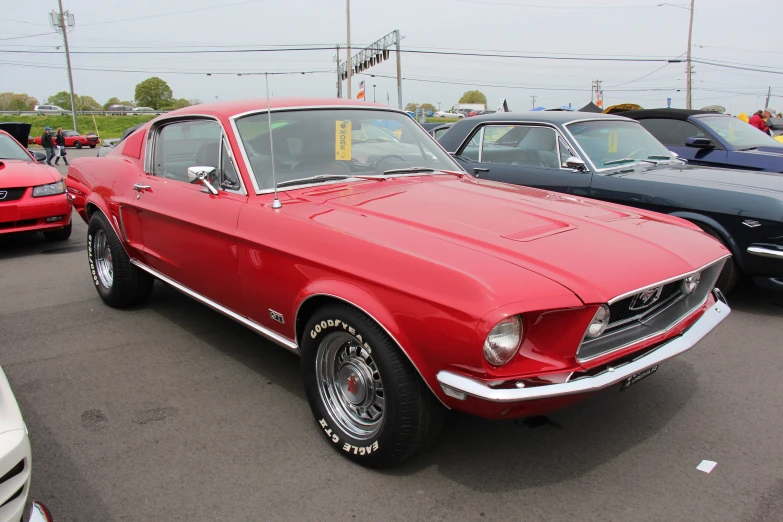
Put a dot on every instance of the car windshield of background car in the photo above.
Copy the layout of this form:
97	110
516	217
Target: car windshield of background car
739	134
338	142
11	150
609	141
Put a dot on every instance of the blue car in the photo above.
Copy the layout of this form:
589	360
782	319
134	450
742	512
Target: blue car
715	140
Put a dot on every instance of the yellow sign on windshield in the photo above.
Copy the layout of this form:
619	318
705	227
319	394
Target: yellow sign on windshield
612	141
342	141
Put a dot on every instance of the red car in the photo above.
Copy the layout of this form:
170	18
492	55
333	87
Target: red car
73	139
406	285
32	196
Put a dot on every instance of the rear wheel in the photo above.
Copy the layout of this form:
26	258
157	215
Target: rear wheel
77	144
730	274
118	281
59	235
367	398
92	146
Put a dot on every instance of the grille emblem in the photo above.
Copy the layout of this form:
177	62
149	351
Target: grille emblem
3	194
752	223
646	299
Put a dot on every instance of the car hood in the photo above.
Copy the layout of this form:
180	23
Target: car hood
744	181
765	150
16	173
597	250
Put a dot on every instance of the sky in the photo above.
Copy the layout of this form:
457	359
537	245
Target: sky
733	33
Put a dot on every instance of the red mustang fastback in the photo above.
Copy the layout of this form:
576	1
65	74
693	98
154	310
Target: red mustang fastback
406	285
32	195
74	139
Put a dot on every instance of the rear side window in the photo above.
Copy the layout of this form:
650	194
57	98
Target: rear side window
672	132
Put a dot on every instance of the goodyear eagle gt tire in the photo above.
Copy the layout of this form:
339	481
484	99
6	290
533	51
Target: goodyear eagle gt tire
368	400
119	283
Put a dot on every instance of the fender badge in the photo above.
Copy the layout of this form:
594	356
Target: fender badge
751	223
276	316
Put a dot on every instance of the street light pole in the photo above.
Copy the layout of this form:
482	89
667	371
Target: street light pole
688	100
348	49
373	93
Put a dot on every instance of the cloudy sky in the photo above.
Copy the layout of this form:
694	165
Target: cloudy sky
733	35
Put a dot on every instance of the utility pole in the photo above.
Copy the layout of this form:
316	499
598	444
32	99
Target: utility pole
688	72
348	65
61	22
769	93
533	99
339	77
399	71
373	93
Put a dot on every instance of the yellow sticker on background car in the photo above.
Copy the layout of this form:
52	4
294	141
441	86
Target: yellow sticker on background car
612	141
342	141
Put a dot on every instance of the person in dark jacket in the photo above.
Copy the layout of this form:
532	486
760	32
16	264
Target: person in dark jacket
48	144
758	120
59	141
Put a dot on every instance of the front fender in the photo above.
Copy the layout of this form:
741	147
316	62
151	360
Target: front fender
701	219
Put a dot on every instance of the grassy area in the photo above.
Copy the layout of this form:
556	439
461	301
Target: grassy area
108	126
441	120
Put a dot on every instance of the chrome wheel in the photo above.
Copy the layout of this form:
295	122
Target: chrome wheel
103	260
350	385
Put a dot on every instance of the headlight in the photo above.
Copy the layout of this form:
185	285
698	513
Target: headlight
49	190
503	341
690	283
599	323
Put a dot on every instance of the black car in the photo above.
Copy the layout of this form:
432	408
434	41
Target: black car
436	129
615	159
715	140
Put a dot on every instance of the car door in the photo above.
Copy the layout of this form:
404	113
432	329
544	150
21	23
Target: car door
674	133
523	154
189	234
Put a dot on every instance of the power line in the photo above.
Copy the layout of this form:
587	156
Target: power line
645	76
28	36
173	13
612	7
22	22
726	66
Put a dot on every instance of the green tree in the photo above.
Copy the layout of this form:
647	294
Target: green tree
10	101
111	101
87	103
427	107
154	92
412	107
195	101
473	97
61	99
180	103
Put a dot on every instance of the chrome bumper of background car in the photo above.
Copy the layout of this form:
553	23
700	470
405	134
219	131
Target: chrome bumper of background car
765	252
459	386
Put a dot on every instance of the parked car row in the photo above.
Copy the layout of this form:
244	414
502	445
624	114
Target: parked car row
72	139
117	108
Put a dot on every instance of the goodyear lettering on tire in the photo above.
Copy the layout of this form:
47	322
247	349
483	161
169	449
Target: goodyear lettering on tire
338	323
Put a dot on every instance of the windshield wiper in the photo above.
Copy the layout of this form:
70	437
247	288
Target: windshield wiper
326	177
659	157
623	160
408	170
749	148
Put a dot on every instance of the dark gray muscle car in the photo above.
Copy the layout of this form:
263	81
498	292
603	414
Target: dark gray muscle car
615	159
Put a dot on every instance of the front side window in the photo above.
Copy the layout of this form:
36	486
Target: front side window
70	133
313	146
11	150
673	133
741	135
522	145
185	144
612	143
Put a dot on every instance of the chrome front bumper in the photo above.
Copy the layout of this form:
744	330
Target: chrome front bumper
459	386
765	252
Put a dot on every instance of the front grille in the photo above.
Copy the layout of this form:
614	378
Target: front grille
11	194
18	224
627	326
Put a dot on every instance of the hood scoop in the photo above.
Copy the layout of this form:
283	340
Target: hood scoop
537	232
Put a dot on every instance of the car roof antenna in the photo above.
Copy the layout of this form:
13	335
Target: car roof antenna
276	203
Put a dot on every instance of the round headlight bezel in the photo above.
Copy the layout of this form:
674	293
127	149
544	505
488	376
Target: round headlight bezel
503	340
690	283
600	320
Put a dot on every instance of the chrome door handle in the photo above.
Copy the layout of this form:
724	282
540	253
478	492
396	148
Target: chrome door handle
138	187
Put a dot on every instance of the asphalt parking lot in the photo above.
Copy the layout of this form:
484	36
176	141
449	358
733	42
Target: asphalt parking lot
172	412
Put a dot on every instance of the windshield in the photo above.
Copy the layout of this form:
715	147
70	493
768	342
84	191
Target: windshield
611	143
336	143
739	134
11	150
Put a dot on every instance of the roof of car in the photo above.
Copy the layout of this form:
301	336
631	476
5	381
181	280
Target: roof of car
669	114
560	117
234	107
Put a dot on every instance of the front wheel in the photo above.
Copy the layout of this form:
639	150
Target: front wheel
77	144
118	281
730	274
366	396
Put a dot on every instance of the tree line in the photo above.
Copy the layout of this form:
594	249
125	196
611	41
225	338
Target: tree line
152	92
467	97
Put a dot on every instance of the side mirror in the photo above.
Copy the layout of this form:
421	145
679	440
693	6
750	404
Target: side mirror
700	143
40	157
572	162
202	175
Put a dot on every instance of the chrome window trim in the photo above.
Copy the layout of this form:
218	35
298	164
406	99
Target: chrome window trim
503	123
153	131
765	252
233	121
266	332
296	319
665	281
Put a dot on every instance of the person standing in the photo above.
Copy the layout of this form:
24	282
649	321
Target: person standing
59	141
48	144
758	120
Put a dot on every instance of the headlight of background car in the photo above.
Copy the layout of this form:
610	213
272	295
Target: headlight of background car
49	190
503	341
599	323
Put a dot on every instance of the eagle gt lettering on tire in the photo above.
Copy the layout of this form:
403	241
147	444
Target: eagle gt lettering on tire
366	396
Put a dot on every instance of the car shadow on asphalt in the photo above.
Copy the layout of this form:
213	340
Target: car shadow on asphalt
13	246
749	298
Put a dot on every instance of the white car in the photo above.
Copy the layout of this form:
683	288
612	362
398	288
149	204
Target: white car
144	109
447	114
50	109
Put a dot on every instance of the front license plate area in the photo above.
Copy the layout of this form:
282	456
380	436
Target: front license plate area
633	379
8	213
